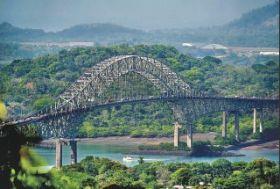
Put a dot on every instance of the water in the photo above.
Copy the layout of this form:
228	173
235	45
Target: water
117	152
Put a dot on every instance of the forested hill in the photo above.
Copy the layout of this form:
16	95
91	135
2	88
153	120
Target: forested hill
90	31
30	84
8	32
257	28
266	17
103	33
208	74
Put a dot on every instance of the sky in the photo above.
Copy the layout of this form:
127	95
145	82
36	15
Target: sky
54	15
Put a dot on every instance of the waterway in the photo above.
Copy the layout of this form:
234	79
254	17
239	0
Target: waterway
117	152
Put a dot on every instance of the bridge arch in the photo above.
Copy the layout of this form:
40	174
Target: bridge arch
82	95
96	79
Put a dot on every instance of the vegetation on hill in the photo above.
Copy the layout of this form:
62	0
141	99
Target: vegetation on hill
14	51
103	33
257	28
262	17
29	84
8	32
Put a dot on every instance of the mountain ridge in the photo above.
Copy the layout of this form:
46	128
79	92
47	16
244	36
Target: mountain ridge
257	17
258	27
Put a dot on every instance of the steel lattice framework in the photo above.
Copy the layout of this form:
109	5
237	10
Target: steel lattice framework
91	85
87	93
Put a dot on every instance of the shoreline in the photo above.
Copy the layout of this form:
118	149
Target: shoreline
129	141
185	153
255	145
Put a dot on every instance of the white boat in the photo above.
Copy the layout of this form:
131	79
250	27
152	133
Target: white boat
127	158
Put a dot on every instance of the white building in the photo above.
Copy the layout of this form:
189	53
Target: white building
272	53
214	47
187	45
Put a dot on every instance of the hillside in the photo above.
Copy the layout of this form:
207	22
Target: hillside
32	83
265	17
257	28
8	32
102	33
91	30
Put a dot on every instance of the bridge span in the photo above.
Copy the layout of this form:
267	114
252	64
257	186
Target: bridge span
89	92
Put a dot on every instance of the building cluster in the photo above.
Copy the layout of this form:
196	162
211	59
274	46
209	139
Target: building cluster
200	50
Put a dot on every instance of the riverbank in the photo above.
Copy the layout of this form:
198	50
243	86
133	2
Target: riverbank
184	153
255	145
127	140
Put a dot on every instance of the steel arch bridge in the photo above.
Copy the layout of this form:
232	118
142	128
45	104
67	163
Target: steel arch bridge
88	93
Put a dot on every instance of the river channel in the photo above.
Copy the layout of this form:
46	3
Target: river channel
117	152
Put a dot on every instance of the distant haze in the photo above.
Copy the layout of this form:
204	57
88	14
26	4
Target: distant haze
53	15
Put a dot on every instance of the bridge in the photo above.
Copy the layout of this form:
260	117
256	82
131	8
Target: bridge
90	91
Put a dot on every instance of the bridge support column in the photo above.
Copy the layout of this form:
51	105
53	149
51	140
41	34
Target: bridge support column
261	121
73	151
224	126
236	126
254	120
58	154
176	134
189	136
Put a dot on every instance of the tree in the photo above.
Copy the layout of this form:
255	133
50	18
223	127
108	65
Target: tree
221	168
175	64
43	102
17	162
181	176
212	59
163	175
266	186
3	112
87	129
141	160
239	181
201	168
196	179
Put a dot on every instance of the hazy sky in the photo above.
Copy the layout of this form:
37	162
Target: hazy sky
142	14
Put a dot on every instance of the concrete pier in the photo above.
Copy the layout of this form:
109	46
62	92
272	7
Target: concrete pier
58	154
177	126
254	120
236	126
189	136
73	151
224	126
261	121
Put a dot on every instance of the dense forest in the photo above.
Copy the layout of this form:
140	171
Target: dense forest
13	51
94	172
220	174
30	84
